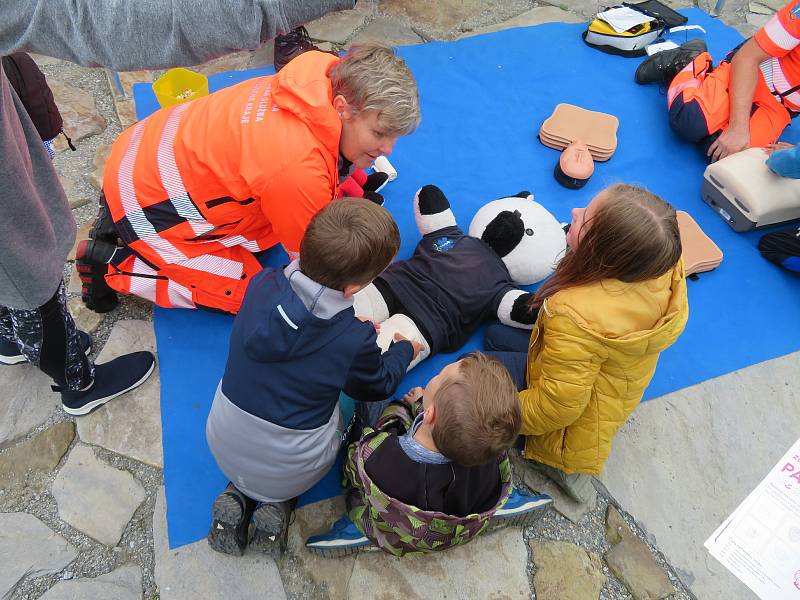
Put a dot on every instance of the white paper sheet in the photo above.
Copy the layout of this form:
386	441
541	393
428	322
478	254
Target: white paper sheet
623	18
760	541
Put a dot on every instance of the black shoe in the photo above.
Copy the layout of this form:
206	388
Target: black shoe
375	182
111	379
271	520
10	354
91	261
290	45
663	66
103	227
230	524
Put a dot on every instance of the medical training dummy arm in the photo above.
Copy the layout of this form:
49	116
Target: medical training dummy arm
149	34
785	162
570	361
744	76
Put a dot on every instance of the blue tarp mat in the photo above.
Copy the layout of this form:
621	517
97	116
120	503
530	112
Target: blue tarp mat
483	100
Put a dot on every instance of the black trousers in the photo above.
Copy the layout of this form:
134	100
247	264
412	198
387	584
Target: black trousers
48	339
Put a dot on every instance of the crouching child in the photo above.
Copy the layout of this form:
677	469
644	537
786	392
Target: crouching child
275	427
433	473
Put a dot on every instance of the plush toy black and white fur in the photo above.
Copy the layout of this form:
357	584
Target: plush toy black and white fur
456	281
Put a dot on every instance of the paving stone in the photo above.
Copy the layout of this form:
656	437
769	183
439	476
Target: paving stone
574	511
74	285
491	566
336	27
388	31
129	425
245	59
760	9
43	552
26	401
565	571
757	20
126	111
94	497
685	461
442	16
124	583
775	5
181	572
79	111
583	8
82	234
42	452
127	79
95	178
86	319
630	560
75	197
535	16
46	61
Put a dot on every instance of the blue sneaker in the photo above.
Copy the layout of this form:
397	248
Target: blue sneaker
343	538
521	509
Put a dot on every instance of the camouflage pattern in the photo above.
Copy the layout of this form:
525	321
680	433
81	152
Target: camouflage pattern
399	528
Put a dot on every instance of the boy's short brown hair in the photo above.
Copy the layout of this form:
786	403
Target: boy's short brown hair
478	415
350	241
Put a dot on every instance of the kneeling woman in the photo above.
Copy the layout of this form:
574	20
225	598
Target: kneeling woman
615	302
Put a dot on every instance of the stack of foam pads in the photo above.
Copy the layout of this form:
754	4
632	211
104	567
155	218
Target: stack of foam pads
570	123
747	195
700	253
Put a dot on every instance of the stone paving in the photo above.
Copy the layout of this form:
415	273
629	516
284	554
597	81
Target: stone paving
82	506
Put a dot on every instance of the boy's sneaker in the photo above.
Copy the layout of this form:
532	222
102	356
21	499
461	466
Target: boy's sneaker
343	538
111	379
521	509
271	521
230	521
662	66
10	354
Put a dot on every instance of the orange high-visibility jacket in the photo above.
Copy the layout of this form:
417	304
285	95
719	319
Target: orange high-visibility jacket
195	188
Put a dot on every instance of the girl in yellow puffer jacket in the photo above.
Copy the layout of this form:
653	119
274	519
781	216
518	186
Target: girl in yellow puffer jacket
615	302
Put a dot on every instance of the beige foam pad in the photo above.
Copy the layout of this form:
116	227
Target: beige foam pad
557	140
597	156
570	122
700	253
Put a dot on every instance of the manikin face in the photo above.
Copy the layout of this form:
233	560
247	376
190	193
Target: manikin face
576	161
580	216
363	137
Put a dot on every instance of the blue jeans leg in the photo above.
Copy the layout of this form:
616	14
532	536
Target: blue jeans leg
502	338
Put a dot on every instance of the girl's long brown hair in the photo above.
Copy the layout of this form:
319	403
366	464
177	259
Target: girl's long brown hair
633	236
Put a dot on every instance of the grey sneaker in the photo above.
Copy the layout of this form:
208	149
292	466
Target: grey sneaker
577	486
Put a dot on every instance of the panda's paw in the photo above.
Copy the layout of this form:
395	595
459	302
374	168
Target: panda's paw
516	309
432	210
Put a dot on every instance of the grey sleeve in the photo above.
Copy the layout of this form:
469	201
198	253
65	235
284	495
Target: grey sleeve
149	34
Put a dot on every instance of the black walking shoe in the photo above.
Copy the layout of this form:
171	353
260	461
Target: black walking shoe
91	260
271	520
10	354
111	379
292	44
230	521
663	66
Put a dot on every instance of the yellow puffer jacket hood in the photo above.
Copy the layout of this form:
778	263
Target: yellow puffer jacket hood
593	351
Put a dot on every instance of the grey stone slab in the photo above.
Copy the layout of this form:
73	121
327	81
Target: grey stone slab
195	571
565	571
131	424
40	453
441	16
773	4
310	520
757	20
760	9
490	566
29	547
86	319
26	401
74	285
388	31
574	511
338	26
535	16
124	583
587	9
79	111
685	461
94	497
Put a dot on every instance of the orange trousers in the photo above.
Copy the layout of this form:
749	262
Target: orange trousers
699	105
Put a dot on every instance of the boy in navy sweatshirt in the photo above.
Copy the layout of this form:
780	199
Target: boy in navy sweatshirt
274	427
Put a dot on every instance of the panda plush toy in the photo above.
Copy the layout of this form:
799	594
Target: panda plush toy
454	281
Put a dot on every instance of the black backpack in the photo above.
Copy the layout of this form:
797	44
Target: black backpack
31	86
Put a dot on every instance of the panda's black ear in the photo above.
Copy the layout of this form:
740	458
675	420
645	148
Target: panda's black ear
504	232
522	194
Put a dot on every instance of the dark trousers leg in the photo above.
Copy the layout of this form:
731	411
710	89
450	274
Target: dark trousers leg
517	365
48	339
502	338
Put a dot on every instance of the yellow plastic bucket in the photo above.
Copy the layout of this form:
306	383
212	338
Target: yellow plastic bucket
179	85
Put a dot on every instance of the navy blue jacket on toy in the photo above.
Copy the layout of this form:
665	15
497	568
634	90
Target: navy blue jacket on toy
456	281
